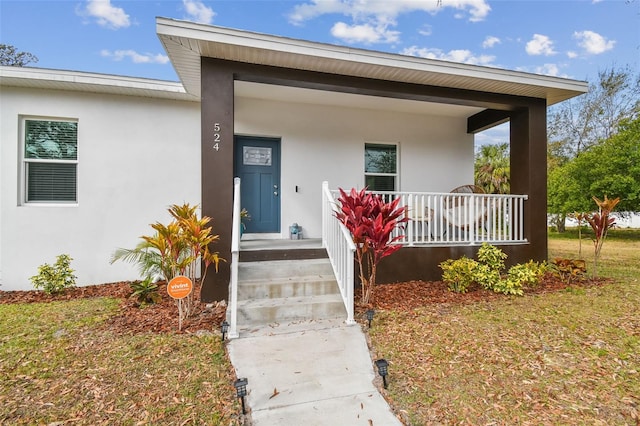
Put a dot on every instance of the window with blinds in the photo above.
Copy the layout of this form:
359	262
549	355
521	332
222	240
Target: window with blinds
50	161
380	167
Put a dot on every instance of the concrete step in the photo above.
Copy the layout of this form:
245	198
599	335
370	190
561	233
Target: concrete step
314	285
285	291
287	309
283	269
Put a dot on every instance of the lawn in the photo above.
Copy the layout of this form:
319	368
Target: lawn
570	357
61	365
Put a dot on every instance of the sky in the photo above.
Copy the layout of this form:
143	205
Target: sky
574	39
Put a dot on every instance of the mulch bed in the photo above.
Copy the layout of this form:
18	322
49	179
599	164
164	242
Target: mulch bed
131	319
163	317
415	294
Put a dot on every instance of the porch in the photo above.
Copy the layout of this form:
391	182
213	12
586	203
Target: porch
435	220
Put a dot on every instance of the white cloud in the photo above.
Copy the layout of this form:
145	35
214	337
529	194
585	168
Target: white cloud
426	30
459	55
198	12
592	42
365	33
571	54
548	69
540	45
106	14
380	15
490	41
136	58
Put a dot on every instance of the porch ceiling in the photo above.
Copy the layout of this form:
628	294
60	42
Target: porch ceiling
185	43
271	92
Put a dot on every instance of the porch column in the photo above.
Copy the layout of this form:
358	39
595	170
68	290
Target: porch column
217	170
529	175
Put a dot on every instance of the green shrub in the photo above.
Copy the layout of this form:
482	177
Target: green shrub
487	277
487	272
459	274
145	291
492	256
56	278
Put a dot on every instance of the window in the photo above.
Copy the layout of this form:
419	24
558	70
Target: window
50	161
380	167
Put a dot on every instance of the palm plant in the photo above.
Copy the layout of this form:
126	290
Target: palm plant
492	169
179	248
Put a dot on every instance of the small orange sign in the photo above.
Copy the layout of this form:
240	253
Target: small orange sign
179	287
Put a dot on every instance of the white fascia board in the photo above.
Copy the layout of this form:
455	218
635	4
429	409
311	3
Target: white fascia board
24	77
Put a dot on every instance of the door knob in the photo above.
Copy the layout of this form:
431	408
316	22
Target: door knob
275	192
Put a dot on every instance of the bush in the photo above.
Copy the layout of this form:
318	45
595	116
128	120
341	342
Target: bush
487	272
492	256
145	291
487	277
459	274
56	278
569	269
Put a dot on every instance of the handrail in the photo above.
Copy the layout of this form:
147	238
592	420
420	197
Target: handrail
338	242
235	259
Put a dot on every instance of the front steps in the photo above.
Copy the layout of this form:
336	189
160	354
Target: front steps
285	291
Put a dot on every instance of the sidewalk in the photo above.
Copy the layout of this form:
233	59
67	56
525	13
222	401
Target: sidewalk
311	373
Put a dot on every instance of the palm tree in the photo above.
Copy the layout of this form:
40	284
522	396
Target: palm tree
492	169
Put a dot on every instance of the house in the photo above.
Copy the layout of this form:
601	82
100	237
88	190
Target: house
284	115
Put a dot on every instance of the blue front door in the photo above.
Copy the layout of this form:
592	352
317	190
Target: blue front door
257	164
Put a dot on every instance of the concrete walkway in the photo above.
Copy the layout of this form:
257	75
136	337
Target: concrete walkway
310	373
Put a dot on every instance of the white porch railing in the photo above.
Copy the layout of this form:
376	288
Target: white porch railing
235	259
458	219
337	240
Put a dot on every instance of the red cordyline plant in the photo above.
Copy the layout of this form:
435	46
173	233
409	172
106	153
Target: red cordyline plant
580	217
601	222
371	222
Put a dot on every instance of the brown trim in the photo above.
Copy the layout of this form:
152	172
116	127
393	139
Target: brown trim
528	152
366	86
528	158
486	119
293	254
217	170
421	263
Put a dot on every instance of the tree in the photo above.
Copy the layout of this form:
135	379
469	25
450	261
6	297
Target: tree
578	125
611	167
595	116
492	169
11	57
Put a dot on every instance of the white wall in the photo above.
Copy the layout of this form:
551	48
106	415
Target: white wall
327	143
136	157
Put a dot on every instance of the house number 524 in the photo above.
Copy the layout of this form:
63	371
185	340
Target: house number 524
216	136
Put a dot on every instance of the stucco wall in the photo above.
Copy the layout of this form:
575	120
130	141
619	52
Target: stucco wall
322	142
136	156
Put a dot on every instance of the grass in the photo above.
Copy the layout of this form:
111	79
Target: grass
571	357
566	358
60	365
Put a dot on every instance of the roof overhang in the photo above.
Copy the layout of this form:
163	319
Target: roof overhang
186	42
40	78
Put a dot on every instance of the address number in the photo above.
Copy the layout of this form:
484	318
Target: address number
217	139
